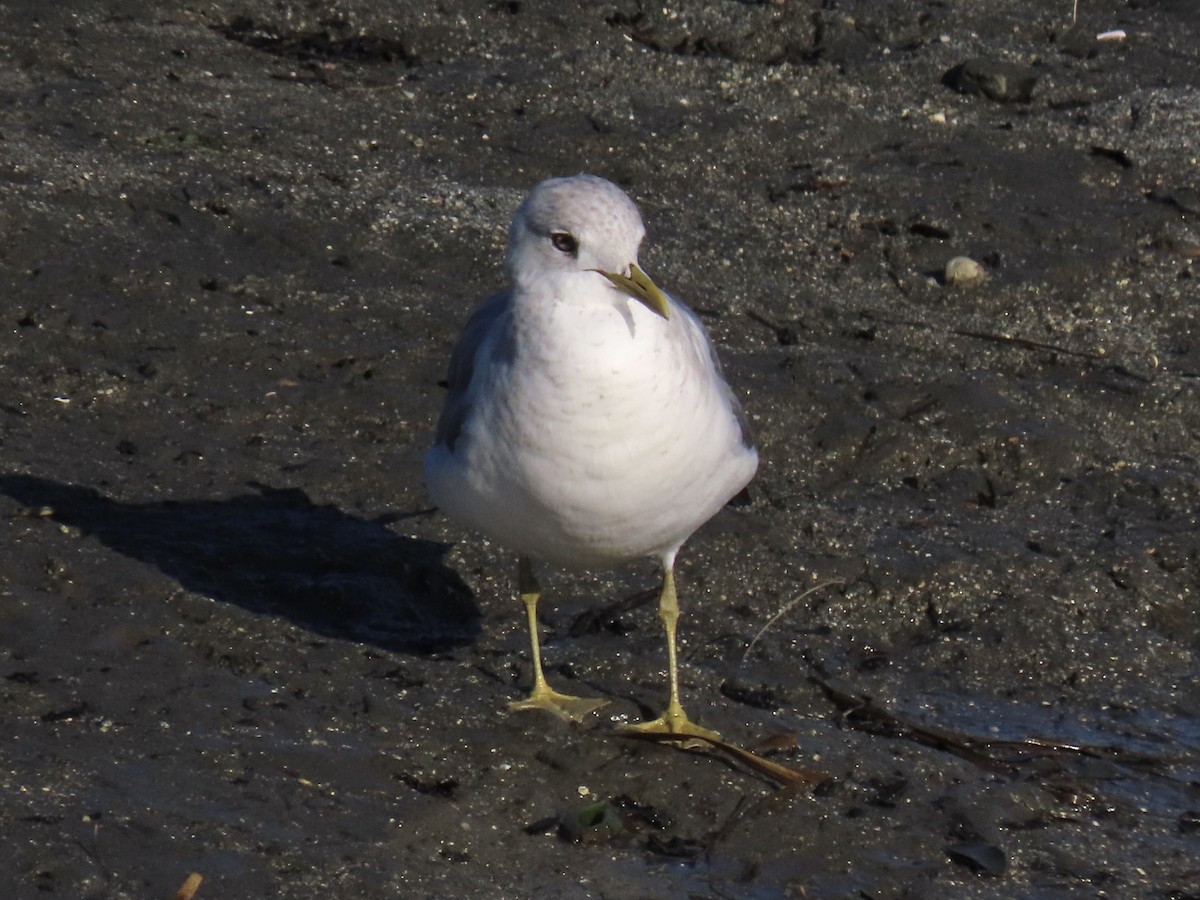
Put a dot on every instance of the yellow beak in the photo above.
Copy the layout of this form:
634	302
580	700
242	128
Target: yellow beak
637	284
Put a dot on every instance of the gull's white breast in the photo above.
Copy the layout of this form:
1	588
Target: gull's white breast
597	433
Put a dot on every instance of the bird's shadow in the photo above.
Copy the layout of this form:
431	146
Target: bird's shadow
274	551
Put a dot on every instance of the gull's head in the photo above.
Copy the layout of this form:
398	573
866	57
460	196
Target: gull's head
584	227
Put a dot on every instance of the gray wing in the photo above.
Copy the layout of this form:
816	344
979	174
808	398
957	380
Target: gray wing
462	367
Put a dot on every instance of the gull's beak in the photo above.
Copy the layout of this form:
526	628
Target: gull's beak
637	284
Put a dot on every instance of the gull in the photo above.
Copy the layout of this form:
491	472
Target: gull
587	422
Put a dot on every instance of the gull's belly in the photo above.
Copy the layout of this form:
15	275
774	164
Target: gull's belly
622	453
584	465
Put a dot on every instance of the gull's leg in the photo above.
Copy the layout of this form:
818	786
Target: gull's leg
573	709
673	720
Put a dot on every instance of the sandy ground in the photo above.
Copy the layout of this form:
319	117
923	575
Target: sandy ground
239	240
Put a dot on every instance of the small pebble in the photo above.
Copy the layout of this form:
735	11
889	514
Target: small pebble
997	80
963	271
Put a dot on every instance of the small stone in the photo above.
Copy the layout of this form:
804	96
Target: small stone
962	271
982	857
1003	82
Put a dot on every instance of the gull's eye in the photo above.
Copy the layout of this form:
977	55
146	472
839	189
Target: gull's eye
564	242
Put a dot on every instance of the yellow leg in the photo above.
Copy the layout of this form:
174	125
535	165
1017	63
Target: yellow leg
573	709
673	720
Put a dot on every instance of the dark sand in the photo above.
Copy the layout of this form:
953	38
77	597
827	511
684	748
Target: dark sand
238	241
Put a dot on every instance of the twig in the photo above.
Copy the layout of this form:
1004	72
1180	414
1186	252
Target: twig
786	608
726	828
190	886
989	753
788	779
1006	340
1026	343
869	711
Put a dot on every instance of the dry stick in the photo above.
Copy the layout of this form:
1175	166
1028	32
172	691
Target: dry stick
726	828
869	711
987	753
190	886
1026	343
1008	340
782	612
789	779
